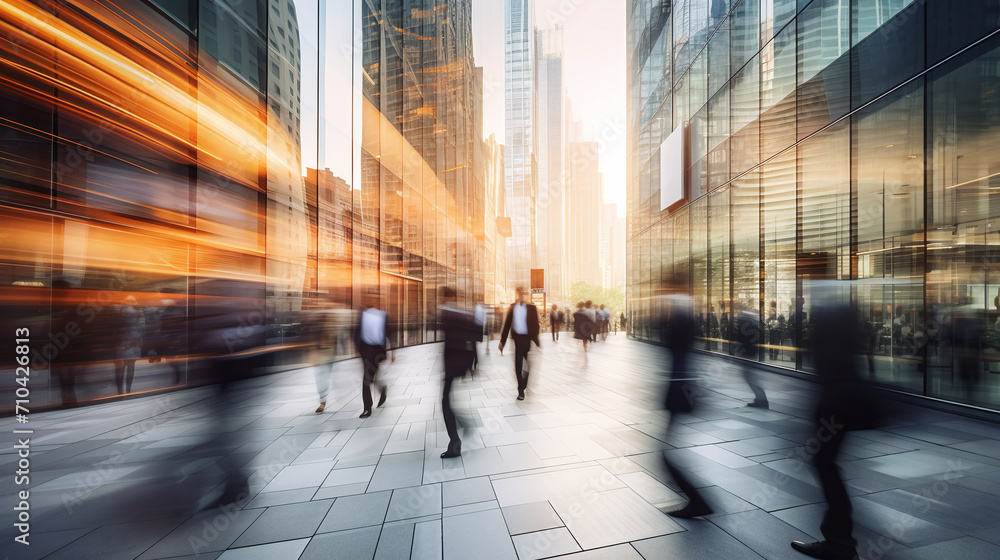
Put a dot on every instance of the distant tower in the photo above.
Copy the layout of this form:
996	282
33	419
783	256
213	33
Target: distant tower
551	143
519	156
287	228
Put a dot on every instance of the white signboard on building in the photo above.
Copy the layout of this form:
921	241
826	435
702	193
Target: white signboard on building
672	166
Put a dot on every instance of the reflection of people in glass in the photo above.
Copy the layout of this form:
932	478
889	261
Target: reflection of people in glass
748	334
967	336
130	330
775	330
67	333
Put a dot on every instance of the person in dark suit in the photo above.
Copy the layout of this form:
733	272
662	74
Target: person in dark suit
461	333
747	336
676	324
522	319
845	403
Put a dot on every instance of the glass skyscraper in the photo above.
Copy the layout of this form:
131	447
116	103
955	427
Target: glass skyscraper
274	162
773	142
520	165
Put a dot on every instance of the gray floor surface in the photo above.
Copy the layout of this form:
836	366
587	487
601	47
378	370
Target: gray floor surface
574	471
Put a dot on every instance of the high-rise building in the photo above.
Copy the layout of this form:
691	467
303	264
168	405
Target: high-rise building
494	264
422	79
288	230
772	144
265	170
520	168
550	127
586	203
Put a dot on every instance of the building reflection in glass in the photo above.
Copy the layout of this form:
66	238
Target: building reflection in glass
247	185
825	139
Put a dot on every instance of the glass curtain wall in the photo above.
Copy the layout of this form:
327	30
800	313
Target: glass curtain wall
220	176
846	139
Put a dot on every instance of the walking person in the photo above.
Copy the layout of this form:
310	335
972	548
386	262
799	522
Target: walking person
845	403
372	340
130	330
747	336
775	331
591	312
582	328
677	333
461	334
479	315
320	332
556	320
522	319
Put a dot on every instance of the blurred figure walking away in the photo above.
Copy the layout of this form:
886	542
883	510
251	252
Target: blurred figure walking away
461	334
556	320
372	340
845	403
321	334
591	311
479	315
677	332
749	333
130	329
522	319
582	328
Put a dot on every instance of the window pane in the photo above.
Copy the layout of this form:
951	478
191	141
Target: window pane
823	69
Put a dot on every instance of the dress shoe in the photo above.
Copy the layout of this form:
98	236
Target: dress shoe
365	414
321	407
520	396
381	399
758	405
826	550
457	452
693	509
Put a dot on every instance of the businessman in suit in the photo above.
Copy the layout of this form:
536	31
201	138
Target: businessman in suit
461	333
522	319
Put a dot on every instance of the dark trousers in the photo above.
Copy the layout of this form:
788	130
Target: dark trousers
837	525
678	475
124	372
555	331
371	357
454	367
759	397
522	344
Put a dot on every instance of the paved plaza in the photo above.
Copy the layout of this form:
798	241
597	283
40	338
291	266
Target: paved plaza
574	471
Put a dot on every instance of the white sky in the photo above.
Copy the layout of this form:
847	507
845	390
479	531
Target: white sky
593	72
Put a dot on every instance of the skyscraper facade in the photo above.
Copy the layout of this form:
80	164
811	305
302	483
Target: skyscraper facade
234	167
773	143
586	203
520	167
551	143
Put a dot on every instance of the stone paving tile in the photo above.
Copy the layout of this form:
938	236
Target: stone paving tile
286	549
580	460
352	512
287	522
467	491
527	518
545	544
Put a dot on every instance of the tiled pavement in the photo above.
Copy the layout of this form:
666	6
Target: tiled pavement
572	471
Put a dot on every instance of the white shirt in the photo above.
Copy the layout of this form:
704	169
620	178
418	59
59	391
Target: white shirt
590	313
373	327
519	323
480	314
